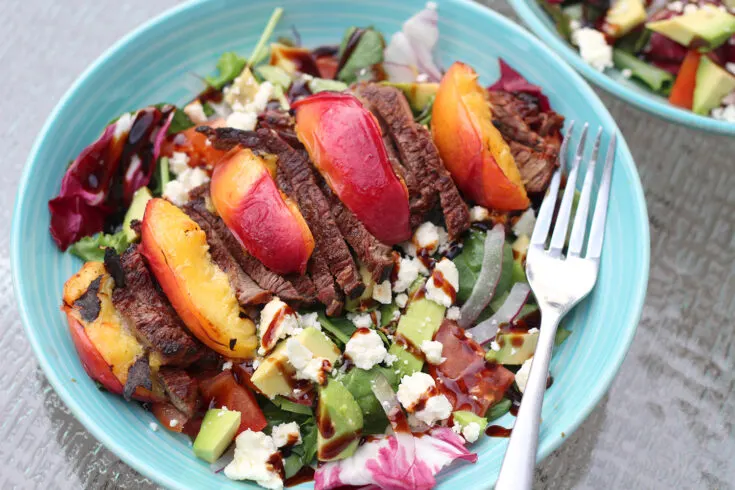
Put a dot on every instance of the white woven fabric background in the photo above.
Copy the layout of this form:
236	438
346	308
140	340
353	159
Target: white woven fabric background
667	422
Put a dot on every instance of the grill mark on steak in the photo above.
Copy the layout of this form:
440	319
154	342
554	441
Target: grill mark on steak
139	374
150	316
295	173
534	137
420	157
182	389
246	290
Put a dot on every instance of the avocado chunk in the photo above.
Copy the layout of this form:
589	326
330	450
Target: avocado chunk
520	250
712	85
358	382
708	25
136	211
339	422
422	319
218	429
275	374
624	16
419	95
515	348
366	298
463	418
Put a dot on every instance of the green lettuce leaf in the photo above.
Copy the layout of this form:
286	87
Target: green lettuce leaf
358	382
92	248
229	66
367	52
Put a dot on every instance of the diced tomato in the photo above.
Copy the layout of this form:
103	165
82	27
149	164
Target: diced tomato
191	428
465	378
224	391
327	66
169	416
194	144
682	93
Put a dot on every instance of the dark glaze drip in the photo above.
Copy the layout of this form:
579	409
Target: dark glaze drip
421	403
302	58
210	94
396	268
460	388
329	50
454	250
425	257
350	47
305	474
441	283
532	320
268	336
398	420
334	448
276	462
514	410
408	345
549	381
298	90
516	341
498	431
325	426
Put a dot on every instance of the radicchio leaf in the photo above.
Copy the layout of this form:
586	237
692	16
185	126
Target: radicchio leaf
512	81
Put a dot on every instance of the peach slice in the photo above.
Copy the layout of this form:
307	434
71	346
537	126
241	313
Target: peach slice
178	255
472	149
266	222
344	142
106	348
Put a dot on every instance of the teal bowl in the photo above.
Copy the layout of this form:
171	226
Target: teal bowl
612	80
158	62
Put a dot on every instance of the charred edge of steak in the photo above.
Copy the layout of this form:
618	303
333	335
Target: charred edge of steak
150	316
182	389
114	267
139	374
88	304
268	280
246	290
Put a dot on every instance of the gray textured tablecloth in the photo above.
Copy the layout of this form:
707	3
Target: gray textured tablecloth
668	420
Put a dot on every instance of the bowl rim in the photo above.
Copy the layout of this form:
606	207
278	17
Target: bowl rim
143	467
531	16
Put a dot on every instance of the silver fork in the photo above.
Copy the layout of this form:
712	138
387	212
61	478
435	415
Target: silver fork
559	283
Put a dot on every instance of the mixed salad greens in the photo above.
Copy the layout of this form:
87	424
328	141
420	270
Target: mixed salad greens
321	258
683	50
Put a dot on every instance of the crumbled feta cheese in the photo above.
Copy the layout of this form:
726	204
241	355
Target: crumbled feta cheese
426	237
365	349
421	386
178	163
227	365
471	431
390	359
245	121
277	321
253	450
422	78
153	426
457	428
315	370
478	214
726	113
454	313
533	330
574	24
593	48
177	190
256	363
286	434
382	293
676	6
627	73
173	423
432	350
195	111
408	271
690	8
444	275
437	408
221	109
495	346
730	67
525	223
307	366
522	374
401	300
309	320
361	320
396	315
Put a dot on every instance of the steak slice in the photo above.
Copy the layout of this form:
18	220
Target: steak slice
326	290
420	158
182	389
296	178
246	290
534	136
294	291
150	316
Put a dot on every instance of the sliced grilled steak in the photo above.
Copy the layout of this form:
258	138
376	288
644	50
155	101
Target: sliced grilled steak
326	290
296	178
268	280
534	136
182	389
420	158
150	316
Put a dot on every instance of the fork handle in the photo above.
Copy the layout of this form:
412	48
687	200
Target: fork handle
516	473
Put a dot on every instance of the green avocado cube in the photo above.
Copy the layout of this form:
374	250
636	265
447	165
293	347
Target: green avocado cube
218	429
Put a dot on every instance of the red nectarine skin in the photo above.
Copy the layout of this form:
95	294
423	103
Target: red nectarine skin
344	142
91	359
267	224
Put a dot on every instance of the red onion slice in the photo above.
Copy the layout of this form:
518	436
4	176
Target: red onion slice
487	280
485	331
223	460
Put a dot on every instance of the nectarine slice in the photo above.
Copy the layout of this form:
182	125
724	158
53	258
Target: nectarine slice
178	255
472	149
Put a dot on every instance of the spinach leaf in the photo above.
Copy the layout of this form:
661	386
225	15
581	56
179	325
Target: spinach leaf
340	329
289	406
424	117
561	20
367	52
561	335
208	111
358	382
469	262
229	66
498	410
92	248
180	122
162	177
304	453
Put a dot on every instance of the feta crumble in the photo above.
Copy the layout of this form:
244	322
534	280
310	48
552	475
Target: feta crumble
227	365
426	237
277	321
253	450
178	163
445	272
245	121
309	320
401	300
177	190
361	320
478	214
432	350
419	386
525	223
153	426
627	73
676	6
307	366
690	8
366	349
454	313
522	374
286	434
390	359
730	67
471	432
408	271
382	293
726	113
173	423
195	111
593	48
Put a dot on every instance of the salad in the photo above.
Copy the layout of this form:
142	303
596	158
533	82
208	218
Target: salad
680	49
315	268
